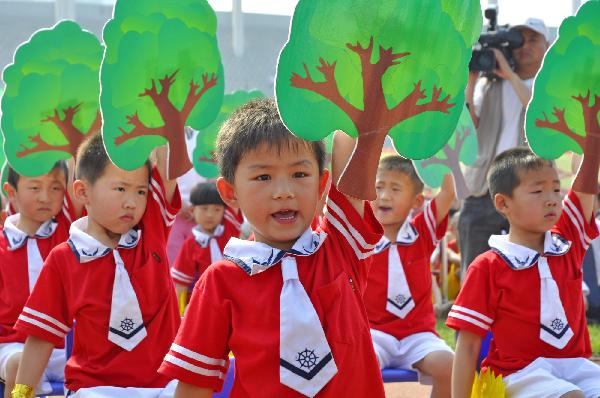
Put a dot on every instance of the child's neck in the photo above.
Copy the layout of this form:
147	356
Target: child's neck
208	231
101	234
27	225
390	231
532	240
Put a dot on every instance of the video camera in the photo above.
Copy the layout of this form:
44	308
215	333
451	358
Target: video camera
502	38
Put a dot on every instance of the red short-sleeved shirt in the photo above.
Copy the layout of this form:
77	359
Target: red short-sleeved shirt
415	259
193	259
231	311
506	301
14	275
68	291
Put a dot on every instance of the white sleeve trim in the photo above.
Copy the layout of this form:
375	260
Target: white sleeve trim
47	318
42	325
469	319
359	254
577	220
229	216
193	368
474	313
161	198
168	221
431	223
180	276
348	226
197	356
65	210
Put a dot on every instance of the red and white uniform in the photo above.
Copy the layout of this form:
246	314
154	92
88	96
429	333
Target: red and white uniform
233	311
71	291
501	293
14	268
195	254
421	237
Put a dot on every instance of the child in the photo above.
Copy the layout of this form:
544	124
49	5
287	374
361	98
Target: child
289	304
27	238
527	288
111	279
217	223
398	298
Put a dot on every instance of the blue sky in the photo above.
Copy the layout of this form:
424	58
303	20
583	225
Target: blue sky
510	11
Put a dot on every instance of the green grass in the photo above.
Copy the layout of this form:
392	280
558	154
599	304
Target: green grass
448	335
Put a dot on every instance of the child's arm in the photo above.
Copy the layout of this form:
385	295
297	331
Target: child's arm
343	147
185	390
585	185
34	360
161	154
445	198
465	363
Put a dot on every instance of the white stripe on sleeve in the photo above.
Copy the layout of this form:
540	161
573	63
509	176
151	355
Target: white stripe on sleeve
197	356
42	325
468	319
45	317
348	226
193	368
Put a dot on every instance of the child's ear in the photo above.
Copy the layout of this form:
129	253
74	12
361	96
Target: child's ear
80	192
227	192
11	192
419	200
501	203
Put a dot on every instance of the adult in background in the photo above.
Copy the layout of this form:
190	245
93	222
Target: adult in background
497	108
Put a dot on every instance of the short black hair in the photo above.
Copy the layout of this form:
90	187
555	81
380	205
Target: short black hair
205	193
92	160
503	176
13	177
404	166
251	125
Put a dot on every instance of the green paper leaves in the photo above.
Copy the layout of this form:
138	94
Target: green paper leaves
460	149
161	71
204	162
397	67
563	112
51	98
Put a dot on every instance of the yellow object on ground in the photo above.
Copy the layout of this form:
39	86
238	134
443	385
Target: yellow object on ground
183	300
23	391
487	385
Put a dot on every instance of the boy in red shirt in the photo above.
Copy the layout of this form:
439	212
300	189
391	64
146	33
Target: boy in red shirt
217	223
112	279
289	304
398	296
527	288
26	240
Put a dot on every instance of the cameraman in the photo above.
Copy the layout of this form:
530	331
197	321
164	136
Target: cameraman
497	108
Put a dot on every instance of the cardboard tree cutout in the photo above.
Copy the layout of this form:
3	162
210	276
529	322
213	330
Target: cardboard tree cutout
397	68
460	149
563	112
161	71
51	100
204	161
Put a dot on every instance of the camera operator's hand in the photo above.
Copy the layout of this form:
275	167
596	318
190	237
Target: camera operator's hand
503	69
505	72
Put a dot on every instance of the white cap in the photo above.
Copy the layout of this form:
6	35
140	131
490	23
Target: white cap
535	24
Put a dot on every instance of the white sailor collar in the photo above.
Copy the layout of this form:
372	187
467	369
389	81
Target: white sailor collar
17	238
203	238
519	257
407	235
87	248
256	257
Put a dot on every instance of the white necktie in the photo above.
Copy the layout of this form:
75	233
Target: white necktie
554	328
215	250
34	262
306	361
399	299
126	326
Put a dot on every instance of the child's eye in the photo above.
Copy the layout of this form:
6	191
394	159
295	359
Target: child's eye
120	189
263	177
538	191
300	174
142	192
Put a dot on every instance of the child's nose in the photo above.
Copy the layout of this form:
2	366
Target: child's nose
283	190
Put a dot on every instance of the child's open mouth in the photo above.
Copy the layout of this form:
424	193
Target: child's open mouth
384	209
285	216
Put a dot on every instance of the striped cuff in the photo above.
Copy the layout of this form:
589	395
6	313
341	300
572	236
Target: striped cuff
461	316
195	363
